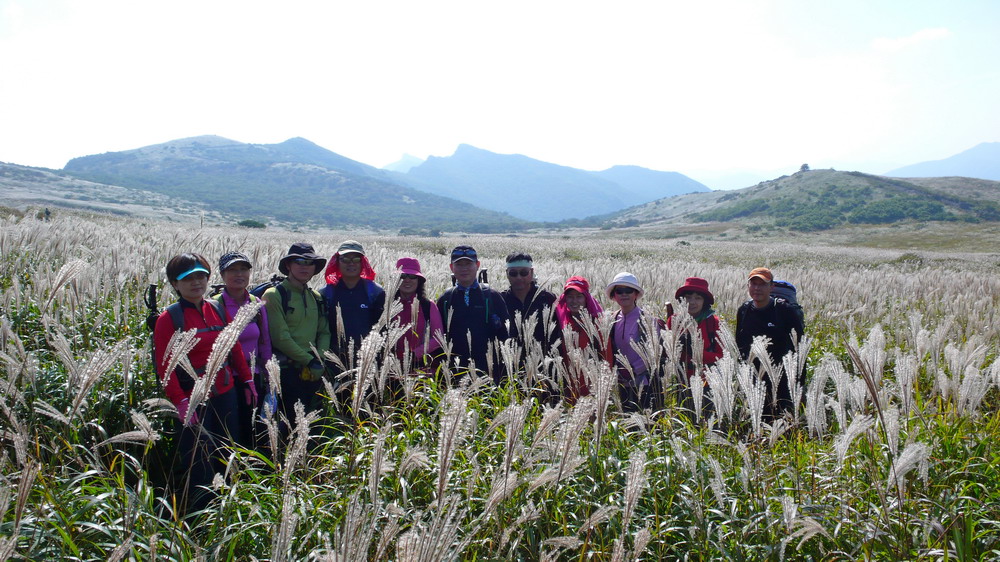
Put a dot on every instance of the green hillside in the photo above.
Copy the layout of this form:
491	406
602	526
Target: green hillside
816	200
296	182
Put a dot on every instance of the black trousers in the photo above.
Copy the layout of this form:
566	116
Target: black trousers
202	449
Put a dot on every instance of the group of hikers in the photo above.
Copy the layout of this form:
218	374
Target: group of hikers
465	331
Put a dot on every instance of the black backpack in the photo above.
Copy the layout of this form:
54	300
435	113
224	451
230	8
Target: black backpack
177	318
785	291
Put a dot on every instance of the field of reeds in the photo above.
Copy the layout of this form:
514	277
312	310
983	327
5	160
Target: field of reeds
894	454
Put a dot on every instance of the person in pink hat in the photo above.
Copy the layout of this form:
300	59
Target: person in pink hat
420	313
699	305
577	312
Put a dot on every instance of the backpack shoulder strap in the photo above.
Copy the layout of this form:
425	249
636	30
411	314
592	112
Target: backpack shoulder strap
371	290
285	297
742	313
220	309
176	315
320	301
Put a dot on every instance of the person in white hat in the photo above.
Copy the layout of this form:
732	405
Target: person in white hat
639	386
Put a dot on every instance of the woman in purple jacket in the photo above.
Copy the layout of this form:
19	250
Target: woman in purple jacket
234	267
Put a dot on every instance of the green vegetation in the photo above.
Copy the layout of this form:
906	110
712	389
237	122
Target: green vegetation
291	185
250	223
821	200
894	456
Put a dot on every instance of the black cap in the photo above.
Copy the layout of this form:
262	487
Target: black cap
464	253
231	258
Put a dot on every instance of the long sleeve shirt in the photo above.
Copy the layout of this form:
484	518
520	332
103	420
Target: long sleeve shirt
708	327
255	339
626	330
205	319
483	316
421	337
293	330
537	311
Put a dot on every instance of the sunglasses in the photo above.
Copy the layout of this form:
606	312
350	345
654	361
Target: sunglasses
624	290
518	272
470	253
303	261
350	259
405	276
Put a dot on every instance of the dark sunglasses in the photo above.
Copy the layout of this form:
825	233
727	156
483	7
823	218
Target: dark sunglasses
350	259
624	290
303	261
470	253
408	276
518	272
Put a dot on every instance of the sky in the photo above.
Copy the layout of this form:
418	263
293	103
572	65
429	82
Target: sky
708	89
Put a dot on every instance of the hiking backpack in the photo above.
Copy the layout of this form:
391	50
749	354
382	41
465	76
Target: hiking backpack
785	291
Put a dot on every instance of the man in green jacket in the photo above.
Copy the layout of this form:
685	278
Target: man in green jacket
297	323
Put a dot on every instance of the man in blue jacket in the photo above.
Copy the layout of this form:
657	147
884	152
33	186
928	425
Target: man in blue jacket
351	294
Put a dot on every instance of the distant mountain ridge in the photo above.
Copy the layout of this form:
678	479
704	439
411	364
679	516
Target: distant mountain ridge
823	199
404	164
295	181
981	161
541	191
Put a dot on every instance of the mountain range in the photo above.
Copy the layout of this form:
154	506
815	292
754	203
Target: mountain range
300	184
295	182
816	200
472	190
541	191
981	161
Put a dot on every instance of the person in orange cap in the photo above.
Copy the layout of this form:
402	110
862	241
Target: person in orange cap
763	315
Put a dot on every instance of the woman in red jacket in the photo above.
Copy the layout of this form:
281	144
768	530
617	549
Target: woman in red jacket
578	312
212	424
699	303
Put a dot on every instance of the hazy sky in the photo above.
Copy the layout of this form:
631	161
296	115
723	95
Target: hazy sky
696	87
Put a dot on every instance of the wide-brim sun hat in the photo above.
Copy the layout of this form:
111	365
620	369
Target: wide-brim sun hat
409	266
304	251
623	279
696	285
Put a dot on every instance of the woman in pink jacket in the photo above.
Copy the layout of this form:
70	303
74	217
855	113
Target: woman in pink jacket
420	314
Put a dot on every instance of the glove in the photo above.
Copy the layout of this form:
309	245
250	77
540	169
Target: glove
313	371
182	409
250	394
269	400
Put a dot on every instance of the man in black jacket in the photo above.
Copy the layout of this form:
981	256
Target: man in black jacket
473	312
763	315
537	306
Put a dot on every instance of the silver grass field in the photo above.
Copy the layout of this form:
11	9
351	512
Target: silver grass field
893	454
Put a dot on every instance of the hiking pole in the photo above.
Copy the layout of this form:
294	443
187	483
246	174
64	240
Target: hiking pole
151	305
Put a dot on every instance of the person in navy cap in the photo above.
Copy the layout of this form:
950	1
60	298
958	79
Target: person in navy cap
474	312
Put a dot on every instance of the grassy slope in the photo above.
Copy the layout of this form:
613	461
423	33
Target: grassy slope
295	182
826	206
